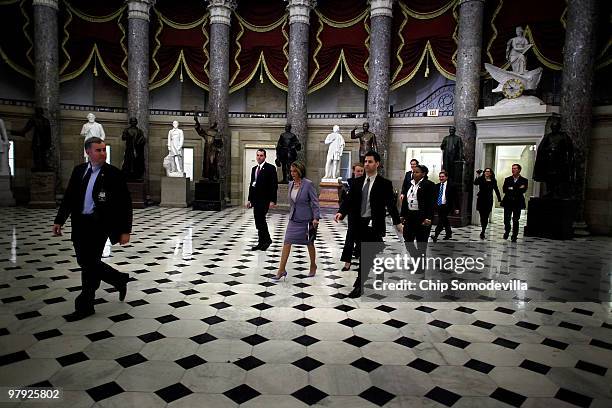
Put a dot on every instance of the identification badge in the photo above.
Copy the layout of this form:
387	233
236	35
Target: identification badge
413	205
370	222
102	196
253	184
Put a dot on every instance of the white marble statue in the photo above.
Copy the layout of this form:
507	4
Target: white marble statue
513	82
515	51
4	151
173	162
91	128
334	153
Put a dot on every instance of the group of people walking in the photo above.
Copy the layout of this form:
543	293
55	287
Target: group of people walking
98	201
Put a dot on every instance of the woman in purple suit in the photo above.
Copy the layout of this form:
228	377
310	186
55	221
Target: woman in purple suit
304	218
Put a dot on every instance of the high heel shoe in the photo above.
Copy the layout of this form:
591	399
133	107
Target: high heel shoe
312	273
278	278
346	268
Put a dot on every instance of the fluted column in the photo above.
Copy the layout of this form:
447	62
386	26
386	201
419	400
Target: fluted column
381	18
577	89
467	87
220	20
138	67
46	73
299	21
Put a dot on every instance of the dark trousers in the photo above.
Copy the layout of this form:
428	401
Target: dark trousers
515	213
372	245
351	244
415	230
443	222
259	212
484	219
88	240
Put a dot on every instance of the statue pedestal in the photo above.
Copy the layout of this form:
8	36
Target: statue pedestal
174	192
6	195
329	193
209	196
42	189
282	198
550	218
137	192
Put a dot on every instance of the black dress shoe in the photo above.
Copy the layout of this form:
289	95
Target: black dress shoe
446	238
506	235
355	293
346	268
122	288
256	247
513	239
265	246
482	235
75	316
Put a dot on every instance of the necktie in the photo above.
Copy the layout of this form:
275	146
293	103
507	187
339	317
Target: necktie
365	197
257	172
440	194
84	184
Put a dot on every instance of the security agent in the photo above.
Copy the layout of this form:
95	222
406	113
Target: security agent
99	204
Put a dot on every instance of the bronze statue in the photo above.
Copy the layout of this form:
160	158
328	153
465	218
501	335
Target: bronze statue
367	140
41	139
452	151
554	163
133	159
212	148
286	151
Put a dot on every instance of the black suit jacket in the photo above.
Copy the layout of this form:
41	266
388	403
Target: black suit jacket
113	204
514	197
264	191
382	200
452	198
426	198
406	182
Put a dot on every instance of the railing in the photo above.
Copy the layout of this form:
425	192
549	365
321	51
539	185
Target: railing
442	99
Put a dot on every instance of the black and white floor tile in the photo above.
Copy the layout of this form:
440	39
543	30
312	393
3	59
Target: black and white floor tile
203	326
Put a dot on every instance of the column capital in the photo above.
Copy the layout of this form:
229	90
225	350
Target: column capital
461	2
381	8
299	10
139	8
221	11
49	3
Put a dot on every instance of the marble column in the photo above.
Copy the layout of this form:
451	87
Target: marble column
138	67
46	87
381	18
220	20
299	21
467	86
577	90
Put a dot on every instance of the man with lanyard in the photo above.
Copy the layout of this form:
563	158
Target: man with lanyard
99	204
368	201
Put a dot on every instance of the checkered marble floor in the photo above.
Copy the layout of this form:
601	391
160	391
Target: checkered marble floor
203	326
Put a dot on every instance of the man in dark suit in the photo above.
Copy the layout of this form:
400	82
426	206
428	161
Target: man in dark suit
446	202
514	190
262	196
417	211
408	179
368	201
99	204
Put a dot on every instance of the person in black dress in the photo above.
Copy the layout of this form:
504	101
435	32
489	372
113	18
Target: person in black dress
484	203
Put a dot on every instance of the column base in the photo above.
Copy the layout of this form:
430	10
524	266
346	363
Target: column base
329	194
136	189
209	196
42	189
551	218
282	199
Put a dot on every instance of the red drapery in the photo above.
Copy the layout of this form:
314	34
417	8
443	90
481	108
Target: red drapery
92	35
